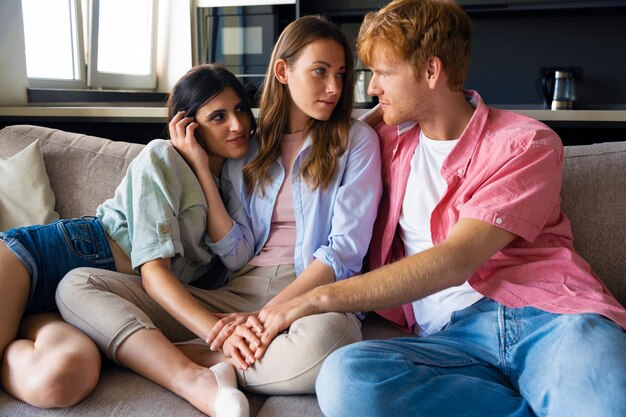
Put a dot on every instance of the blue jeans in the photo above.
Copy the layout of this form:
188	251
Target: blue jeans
50	251
489	361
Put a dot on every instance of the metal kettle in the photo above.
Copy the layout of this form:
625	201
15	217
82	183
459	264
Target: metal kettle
559	89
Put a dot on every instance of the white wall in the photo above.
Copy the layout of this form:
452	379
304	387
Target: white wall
174	56
13	80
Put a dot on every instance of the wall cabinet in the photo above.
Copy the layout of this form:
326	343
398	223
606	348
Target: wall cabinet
514	40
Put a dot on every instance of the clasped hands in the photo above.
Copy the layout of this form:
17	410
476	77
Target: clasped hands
245	337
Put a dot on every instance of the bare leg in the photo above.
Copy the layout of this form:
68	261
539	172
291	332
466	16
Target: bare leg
14	290
52	365
201	354
127	334
150	354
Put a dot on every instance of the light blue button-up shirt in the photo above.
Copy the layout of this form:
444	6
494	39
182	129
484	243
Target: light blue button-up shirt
334	224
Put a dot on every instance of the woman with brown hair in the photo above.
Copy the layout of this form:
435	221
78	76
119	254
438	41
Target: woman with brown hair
311	185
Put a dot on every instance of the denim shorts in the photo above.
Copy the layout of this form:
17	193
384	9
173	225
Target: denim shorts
50	251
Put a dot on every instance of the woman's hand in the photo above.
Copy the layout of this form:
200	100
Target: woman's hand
182	133
241	345
227	325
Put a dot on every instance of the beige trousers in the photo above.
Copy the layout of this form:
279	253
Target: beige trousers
110	306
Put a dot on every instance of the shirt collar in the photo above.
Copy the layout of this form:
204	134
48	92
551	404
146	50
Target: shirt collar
456	163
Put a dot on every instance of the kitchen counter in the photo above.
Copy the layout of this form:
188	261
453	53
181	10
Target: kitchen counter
85	113
140	124
159	114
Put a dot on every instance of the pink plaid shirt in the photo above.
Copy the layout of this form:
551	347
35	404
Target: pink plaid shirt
506	170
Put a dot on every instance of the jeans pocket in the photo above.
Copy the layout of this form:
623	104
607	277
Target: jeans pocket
78	238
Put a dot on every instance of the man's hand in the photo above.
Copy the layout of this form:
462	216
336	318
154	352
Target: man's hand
277	318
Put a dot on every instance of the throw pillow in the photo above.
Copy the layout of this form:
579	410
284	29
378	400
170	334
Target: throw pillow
27	197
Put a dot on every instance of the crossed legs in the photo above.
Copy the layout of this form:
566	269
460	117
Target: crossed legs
134	331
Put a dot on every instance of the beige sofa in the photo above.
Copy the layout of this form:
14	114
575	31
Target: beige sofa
84	171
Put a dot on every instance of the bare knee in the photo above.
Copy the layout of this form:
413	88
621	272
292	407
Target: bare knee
67	376
54	366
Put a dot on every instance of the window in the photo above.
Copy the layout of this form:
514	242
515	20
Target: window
123	44
54	55
120	46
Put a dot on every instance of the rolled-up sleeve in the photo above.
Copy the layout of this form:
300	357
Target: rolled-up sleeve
237	247
155	197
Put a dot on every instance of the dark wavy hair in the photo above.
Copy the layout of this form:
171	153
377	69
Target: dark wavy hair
201	84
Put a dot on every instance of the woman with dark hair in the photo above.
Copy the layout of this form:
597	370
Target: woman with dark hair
165	222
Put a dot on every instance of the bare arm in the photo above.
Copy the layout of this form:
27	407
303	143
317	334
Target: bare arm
166	289
162	286
469	245
183	138
315	275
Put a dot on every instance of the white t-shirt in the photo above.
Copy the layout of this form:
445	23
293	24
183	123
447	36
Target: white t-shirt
424	190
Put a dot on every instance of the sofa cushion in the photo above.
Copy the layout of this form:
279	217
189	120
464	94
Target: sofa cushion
25	188
84	170
594	199
291	406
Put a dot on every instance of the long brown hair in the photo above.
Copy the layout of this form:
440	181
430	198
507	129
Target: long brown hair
330	138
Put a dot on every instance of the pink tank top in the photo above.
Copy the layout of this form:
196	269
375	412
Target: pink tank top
281	242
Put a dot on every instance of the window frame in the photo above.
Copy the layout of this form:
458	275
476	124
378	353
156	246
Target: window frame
89	78
97	79
78	47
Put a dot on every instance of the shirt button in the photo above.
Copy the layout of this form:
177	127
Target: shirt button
164	229
499	220
460	171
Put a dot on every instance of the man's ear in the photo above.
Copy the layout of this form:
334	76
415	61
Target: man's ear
280	71
433	69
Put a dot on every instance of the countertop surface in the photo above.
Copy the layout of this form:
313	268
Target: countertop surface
159	114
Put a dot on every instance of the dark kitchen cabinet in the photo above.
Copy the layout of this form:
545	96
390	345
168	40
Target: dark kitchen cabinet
514	41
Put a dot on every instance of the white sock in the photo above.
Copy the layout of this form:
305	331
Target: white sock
229	401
